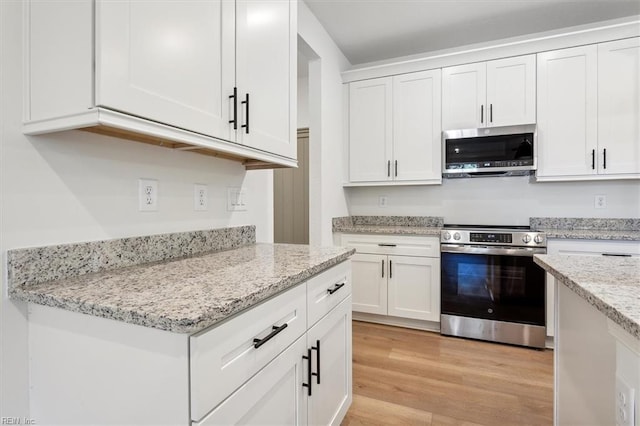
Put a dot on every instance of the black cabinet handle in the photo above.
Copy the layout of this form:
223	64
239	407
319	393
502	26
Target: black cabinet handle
235	108
396	168
308	358
336	288
604	158
317	349
616	254
386	245
246	102
382	267
481	113
259	342
490	113
593	159
390	269
388	168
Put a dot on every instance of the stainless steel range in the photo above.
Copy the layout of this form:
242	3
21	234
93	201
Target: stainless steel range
491	289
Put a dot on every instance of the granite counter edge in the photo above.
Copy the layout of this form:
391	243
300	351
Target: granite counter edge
180	325
609	311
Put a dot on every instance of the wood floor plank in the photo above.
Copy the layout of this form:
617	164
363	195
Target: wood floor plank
406	377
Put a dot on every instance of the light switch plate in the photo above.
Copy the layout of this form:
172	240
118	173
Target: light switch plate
236	199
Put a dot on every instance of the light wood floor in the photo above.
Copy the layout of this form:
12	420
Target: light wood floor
412	377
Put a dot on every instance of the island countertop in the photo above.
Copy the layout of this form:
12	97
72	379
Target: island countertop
610	284
189	294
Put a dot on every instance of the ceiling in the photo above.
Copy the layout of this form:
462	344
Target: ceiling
375	30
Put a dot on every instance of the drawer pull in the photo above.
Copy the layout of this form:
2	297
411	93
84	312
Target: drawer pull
317	349
309	374
616	254
336	288
259	342
386	245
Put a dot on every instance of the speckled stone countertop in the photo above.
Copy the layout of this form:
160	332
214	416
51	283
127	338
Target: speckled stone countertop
610	284
189	294
404	225
587	228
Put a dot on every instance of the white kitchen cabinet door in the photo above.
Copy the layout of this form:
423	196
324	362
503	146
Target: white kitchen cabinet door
274	396
369	283
414	287
464	90
370	130
567	112
170	62
416	126
265	75
619	106
511	91
331	388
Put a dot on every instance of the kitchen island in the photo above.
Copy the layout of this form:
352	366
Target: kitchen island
597	353
203	327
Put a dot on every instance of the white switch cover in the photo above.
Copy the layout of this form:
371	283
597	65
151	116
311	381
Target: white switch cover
236	199
148	195
625	403
200	197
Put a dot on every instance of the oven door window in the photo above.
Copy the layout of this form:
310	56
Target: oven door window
502	288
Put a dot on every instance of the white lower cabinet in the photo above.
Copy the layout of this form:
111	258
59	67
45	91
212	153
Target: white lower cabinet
286	361
272	397
330	343
397	276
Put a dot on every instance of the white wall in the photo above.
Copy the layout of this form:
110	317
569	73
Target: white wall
303	102
327	198
500	201
77	186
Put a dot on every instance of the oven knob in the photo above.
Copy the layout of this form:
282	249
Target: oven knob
446	235
538	239
456	236
526	239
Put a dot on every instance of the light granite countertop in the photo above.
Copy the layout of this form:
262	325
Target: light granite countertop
403	225
186	295
592	234
382	229
610	284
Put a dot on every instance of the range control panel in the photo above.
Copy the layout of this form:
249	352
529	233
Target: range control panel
503	237
486	237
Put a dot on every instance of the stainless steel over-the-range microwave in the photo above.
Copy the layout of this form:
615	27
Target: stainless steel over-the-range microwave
490	151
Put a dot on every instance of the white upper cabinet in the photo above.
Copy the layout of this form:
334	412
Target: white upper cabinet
567	109
394	129
589	112
464	91
619	107
370	130
487	94
199	75
266	46
162	60
416	127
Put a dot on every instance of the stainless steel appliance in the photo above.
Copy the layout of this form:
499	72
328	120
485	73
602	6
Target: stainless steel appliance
490	287
491	151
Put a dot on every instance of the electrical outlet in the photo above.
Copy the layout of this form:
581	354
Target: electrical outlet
625	404
200	197
236	199
148	195
600	201
383	201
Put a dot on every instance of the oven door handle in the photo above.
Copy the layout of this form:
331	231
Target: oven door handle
511	251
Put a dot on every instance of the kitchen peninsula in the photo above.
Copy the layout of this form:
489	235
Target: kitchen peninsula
597	353
196	327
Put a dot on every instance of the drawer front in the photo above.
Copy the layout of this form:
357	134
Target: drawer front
403	245
326	290
225	357
593	247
